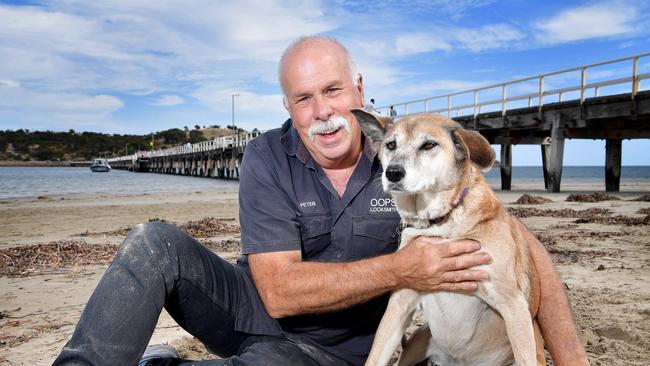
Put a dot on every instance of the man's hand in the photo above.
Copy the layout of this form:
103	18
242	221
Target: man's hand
426	264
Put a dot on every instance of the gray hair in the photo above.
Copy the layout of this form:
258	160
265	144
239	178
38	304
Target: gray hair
311	40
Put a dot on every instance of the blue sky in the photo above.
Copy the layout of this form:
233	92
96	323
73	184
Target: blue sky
141	66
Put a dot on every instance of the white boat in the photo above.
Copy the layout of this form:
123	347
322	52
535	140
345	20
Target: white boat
100	166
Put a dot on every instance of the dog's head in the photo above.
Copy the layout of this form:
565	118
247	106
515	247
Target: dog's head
424	152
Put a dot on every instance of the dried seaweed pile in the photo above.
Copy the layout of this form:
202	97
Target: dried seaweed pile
644	211
119	232
228	245
24	260
204	228
644	198
564	212
590	215
527	199
570	255
591	197
550	238
616	220
209	227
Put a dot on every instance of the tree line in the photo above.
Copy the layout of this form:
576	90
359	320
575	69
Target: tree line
25	145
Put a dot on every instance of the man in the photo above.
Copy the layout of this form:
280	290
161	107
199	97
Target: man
392	113
370	107
318	234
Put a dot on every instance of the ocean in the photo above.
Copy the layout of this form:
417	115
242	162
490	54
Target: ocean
31	182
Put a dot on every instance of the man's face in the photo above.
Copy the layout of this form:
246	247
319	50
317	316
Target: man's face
319	95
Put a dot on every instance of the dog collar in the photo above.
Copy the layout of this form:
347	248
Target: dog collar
461	198
444	217
458	202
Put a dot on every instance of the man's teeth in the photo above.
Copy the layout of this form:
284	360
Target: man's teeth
329	132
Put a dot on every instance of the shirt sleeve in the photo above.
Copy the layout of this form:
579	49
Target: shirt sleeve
266	212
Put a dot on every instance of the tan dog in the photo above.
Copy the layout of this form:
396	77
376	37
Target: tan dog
432	168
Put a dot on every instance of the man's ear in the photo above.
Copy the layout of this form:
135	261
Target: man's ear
285	103
474	146
372	125
358	82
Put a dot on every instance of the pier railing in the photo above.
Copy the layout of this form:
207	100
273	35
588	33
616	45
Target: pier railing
503	94
219	143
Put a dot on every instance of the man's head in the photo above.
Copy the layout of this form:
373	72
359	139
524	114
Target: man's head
372	101
320	87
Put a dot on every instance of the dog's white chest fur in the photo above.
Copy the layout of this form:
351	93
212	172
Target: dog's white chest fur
465	329
459	325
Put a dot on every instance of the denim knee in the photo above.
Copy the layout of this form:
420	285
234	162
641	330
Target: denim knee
155	236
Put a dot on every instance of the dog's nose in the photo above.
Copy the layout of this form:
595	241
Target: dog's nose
395	173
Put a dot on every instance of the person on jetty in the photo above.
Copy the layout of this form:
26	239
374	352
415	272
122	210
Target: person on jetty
318	237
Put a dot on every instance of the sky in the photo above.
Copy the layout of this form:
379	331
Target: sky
140	66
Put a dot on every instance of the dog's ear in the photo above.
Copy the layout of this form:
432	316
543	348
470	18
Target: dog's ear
372	125
472	145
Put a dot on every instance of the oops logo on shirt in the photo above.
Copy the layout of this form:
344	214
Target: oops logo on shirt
382	205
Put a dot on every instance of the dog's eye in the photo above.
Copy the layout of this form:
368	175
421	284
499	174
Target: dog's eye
391	145
428	145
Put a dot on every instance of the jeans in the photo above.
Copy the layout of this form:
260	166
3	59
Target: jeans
157	266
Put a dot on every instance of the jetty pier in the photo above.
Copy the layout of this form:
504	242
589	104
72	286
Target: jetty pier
584	102
218	158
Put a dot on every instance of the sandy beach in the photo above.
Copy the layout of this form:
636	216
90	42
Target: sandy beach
601	249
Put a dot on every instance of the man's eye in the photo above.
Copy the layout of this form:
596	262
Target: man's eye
302	100
428	145
391	145
333	90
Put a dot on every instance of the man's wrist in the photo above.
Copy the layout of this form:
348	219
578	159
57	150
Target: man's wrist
390	271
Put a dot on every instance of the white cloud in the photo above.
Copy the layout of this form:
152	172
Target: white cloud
97	103
456	9
9	83
439	87
217	97
167	101
489	37
592	21
414	43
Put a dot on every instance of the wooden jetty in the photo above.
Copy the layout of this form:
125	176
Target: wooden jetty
587	115
217	158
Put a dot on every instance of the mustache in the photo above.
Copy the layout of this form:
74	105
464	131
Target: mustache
329	126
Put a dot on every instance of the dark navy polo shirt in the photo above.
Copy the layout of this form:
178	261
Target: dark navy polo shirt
287	203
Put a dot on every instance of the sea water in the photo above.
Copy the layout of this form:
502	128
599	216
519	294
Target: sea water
30	181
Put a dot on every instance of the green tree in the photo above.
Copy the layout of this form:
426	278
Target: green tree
196	136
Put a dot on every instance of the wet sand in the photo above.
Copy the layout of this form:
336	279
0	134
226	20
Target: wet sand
605	264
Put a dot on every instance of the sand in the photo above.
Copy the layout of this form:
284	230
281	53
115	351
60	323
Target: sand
605	265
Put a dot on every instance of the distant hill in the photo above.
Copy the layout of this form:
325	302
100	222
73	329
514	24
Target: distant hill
43	146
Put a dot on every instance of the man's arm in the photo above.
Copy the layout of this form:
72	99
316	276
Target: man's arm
554	315
288	286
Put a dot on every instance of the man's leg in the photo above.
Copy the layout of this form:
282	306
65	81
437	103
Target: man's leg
268	351
157	266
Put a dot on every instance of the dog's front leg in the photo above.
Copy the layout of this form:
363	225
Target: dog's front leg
519	327
391	329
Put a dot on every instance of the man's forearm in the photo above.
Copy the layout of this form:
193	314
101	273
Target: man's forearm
316	287
554	315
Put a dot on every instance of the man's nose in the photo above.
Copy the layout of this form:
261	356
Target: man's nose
322	109
395	173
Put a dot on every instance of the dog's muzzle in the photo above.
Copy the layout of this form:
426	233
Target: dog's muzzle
395	173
